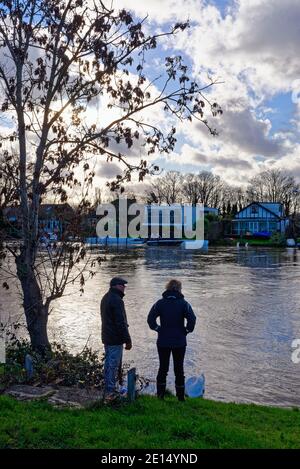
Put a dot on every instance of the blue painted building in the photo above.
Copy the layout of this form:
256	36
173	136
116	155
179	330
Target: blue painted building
162	216
53	218
260	217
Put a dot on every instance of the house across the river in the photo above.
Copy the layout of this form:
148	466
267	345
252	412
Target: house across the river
260	218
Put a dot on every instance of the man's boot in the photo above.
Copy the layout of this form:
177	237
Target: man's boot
160	390
180	393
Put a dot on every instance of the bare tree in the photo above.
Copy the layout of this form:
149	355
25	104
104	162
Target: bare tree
233	199
97	197
175	187
209	188
191	189
167	189
274	185
8	179
8	191
57	59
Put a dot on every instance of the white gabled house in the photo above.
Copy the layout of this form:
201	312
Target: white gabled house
260	217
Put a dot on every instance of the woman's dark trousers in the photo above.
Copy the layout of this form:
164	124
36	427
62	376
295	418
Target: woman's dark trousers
164	354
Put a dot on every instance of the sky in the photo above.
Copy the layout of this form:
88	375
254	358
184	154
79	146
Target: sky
252	47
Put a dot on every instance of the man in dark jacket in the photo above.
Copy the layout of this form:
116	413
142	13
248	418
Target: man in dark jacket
114	332
173	310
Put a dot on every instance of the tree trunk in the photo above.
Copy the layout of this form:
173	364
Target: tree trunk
36	312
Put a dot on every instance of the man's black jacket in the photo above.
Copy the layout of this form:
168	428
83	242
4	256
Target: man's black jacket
172	310
114	329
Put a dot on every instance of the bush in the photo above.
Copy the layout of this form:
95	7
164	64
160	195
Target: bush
58	367
11	374
61	367
212	217
277	239
84	369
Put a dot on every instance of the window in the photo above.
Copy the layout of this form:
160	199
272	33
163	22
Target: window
273	226
254	209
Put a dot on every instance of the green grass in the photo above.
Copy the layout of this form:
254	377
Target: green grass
261	242
148	423
251	242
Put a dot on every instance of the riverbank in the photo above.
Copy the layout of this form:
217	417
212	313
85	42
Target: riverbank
148	423
265	243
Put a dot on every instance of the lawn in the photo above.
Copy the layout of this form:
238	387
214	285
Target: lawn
261	242
148	423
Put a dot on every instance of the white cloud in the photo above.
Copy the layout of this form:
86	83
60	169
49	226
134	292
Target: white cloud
163	10
241	129
254	50
258	44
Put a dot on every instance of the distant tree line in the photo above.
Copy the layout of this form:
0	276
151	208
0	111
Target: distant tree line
272	185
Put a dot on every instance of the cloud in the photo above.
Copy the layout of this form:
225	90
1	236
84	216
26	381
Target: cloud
252	48
162	11
255	45
108	170
244	130
270	30
221	162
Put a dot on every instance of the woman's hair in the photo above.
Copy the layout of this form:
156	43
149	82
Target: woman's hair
174	285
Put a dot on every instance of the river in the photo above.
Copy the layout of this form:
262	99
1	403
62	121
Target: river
247	303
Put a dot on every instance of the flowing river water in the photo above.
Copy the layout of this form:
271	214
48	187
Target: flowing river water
247	303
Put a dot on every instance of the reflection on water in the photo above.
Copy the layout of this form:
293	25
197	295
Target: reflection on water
247	306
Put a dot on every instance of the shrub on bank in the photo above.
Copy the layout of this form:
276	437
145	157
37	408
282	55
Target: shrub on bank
58	366
277	239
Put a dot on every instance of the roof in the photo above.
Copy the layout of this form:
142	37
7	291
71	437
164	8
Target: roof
10	212
54	210
45	211
275	209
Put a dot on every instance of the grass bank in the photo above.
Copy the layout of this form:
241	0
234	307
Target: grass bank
148	423
251	242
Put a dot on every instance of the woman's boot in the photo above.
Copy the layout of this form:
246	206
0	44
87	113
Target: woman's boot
180	393
160	390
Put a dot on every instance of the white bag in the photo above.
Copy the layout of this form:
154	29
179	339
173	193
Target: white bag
195	386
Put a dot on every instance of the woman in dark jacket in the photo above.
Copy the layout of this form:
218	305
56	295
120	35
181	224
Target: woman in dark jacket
173	310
